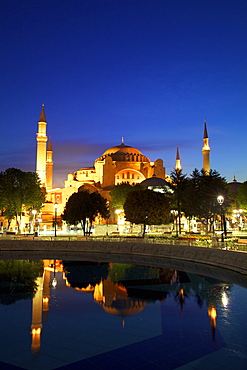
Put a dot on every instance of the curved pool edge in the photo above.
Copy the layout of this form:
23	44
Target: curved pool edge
232	260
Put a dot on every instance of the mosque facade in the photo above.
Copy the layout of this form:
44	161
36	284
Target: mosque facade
119	164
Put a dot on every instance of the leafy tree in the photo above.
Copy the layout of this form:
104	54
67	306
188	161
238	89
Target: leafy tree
203	189
179	185
83	207
119	193
242	196
20	191
147	207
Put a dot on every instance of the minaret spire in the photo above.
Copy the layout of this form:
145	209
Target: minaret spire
42	117
178	163
41	147
206	149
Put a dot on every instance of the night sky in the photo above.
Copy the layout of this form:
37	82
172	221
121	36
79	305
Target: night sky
146	70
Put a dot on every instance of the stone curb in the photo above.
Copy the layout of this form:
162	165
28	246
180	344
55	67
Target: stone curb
233	260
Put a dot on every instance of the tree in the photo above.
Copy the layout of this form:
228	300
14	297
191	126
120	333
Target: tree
242	196
179	183
17	279
203	190
120	192
147	207
20	191
83	207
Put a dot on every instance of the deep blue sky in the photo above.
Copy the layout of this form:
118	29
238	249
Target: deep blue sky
146	70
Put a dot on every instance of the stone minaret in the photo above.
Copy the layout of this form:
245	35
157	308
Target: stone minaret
206	150
178	163
49	166
41	147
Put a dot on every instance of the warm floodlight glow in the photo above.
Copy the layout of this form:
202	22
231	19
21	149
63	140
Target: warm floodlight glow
220	199
54	282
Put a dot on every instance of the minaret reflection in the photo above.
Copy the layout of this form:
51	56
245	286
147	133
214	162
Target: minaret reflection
36	326
46	288
40	303
212	313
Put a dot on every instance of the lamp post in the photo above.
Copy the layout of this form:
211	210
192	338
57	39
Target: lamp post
220	200
55	219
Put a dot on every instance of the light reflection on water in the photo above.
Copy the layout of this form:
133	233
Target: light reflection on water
94	315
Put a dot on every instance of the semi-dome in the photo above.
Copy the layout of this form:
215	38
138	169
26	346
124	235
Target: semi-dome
124	153
154	181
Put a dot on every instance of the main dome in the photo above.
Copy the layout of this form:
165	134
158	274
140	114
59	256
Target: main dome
124	153
126	149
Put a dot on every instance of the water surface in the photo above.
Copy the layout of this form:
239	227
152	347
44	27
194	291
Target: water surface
103	314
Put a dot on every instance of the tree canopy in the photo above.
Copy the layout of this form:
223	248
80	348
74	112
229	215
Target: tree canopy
120	192
147	207
242	196
20	191
200	195
17	279
83	207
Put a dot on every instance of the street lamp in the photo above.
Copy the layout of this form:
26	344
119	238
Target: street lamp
55	219
220	200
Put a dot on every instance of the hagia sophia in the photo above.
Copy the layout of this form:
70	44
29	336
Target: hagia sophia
119	164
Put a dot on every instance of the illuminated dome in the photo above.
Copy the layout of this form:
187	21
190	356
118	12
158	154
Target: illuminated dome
124	153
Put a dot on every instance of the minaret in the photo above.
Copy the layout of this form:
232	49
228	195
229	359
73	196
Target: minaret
41	147
178	163
206	150
49	166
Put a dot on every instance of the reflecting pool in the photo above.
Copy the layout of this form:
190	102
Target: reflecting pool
70	314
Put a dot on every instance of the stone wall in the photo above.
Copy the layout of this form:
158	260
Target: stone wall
233	260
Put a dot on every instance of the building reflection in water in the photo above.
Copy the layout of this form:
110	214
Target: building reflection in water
123	290
41	299
115	301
